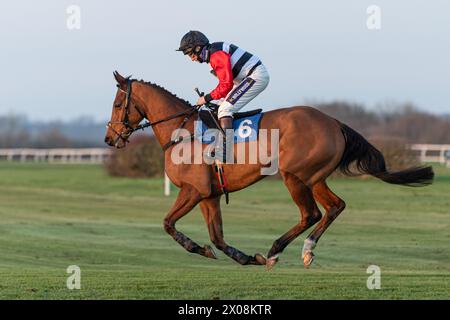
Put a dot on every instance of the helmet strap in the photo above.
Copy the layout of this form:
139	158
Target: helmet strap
204	54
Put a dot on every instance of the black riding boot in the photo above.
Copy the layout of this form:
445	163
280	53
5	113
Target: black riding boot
226	123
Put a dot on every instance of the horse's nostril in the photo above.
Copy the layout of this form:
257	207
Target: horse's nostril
108	140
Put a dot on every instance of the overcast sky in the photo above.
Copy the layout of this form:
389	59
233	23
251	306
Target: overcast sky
314	51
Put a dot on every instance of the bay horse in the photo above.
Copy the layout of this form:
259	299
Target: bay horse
311	146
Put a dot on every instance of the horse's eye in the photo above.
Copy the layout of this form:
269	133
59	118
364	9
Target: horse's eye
118	105
117	85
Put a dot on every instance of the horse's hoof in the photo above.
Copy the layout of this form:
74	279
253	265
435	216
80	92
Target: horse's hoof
209	252
271	262
308	258
260	259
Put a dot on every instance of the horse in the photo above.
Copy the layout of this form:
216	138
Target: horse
312	145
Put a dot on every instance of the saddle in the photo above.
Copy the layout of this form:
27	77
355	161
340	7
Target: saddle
207	116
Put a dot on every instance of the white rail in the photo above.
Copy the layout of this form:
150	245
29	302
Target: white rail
427	153
64	155
59	155
433	152
166	185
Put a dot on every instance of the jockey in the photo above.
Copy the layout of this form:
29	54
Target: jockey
241	74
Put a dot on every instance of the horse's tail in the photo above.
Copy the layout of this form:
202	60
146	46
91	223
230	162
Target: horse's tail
370	160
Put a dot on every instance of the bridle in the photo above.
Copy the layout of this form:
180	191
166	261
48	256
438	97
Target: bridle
129	129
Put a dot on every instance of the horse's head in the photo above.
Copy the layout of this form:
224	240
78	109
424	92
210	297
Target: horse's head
125	116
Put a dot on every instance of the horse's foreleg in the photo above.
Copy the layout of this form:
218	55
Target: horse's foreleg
213	217
187	199
333	206
310	214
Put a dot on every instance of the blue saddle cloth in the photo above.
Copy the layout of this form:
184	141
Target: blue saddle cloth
245	130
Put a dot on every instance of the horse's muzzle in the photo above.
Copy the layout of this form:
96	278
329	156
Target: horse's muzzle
109	141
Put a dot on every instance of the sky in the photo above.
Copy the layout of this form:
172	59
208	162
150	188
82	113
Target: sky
314	51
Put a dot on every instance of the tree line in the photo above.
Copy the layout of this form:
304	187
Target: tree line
16	131
403	123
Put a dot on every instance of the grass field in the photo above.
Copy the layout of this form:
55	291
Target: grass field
53	216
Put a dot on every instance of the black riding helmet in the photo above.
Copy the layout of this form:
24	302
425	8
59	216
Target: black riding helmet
191	40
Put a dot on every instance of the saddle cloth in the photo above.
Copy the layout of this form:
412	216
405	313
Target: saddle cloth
245	126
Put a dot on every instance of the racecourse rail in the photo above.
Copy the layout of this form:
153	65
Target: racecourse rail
56	155
426	152
64	155
433	152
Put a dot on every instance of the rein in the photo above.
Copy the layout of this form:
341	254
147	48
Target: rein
125	135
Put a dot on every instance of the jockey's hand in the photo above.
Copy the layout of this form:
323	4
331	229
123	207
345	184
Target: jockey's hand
201	101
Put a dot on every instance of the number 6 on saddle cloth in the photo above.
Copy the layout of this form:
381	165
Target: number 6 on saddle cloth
245	126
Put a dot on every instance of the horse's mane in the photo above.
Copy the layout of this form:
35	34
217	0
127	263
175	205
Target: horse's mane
164	90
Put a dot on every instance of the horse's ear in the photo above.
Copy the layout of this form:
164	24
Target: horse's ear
120	79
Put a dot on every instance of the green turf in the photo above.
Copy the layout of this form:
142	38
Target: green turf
53	216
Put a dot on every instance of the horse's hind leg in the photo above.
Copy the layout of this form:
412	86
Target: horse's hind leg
187	199
333	206
211	212
310	214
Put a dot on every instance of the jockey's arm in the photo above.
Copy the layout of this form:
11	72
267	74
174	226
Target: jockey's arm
221	64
